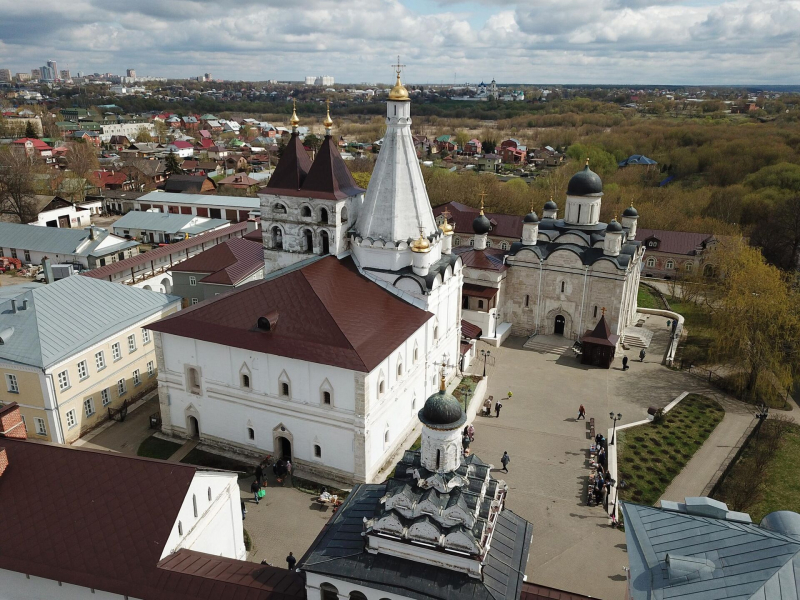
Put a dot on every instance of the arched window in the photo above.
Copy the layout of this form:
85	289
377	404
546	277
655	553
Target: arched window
251	433
563	286
399	368
180	528
245	380
436	333
344	214
416	352
651	262
328	592
504	246
305	211
279	208
457	241
381	386
277	238
317	451
193	377
488	243
480	303
308	240
689	266
194	505
472	241
386	436
670	264
284	389
708	271
326	398
323	215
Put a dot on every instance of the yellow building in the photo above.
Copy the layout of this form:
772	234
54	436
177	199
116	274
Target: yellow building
71	350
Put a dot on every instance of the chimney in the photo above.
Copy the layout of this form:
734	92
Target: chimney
252	224
11	425
14	306
24	304
3	461
48	270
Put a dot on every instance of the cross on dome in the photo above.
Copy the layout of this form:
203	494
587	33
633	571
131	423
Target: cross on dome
294	120
328	122
399	93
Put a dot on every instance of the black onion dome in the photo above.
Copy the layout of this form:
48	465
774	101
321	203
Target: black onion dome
550	205
531	217
614	227
442	411
481	225
630	212
585	183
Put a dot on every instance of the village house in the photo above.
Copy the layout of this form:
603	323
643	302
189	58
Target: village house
66	373
238	183
676	254
55	211
89	137
181	148
33	147
473	147
189	184
113	180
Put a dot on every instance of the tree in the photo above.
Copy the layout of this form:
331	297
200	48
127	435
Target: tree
143	135
17	185
778	234
312	142
30	130
462	138
172	165
755	317
488	145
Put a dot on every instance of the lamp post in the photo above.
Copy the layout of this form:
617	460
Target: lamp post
485	354
615	418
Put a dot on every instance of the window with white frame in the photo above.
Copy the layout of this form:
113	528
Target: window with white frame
83	370
192	280
194	300
146	336
689	266
105	397
41	427
100	360
137	377
88	406
670	264
651	262
11	383
132	343
71	420
63	380
504	246
151	368
116	351
122	387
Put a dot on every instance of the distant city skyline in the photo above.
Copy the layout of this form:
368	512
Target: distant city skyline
666	42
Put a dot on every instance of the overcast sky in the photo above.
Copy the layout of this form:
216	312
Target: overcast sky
530	41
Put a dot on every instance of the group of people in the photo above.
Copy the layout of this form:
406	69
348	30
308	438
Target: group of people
487	407
282	469
601	486
642	354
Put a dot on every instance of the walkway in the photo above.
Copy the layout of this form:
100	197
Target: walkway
124	437
181	452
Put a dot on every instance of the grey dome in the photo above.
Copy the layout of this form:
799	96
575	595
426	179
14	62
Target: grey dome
531	217
550	205
442	411
481	225
630	212
786	522
614	227
585	183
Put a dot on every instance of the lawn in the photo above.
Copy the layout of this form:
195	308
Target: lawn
466	389
697	321
781	485
650	456
154	447
647	298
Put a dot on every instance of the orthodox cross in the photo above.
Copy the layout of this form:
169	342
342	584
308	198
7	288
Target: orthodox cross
398	67
446	214
483	197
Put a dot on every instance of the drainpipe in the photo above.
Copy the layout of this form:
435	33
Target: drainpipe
583	300
51	385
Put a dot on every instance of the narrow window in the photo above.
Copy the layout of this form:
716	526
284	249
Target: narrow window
480	303
527	300
132	343
11	383
381	387
137	377
192	280
88	407
317	451
105	396
284	389
595	311
41	428
438	457
251	433
563	286
245	380
416	354
180	531
194	505
465	302
326	397
209	493
579	213
399	369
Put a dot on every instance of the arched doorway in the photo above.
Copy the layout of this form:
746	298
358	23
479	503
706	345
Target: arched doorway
326	246
277	238
559	328
194	426
309	237
323	215
284	448
167	285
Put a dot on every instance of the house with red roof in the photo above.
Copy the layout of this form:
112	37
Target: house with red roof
181	148
113	180
33	147
675	254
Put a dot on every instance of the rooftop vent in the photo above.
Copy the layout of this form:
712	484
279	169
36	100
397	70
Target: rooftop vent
268	321
5	334
688	567
782	521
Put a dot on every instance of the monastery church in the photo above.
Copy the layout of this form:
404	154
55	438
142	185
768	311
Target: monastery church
330	357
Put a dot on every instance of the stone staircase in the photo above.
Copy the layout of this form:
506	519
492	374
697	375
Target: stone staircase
638	337
552	344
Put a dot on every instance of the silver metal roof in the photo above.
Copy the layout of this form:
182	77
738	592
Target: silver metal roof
56	240
70	315
242	202
166	222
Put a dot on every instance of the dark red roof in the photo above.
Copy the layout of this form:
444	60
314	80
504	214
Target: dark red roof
327	313
490	259
256	235
531	591
227	263
509	226
37	143
329	178
479	291
674	242
468	330
600	335
105	178
291	171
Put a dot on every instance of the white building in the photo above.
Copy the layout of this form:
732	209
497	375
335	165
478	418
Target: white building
57	212
130	130
328	359
122	527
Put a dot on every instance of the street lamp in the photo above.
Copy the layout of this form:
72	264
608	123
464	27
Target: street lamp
615	417
485	354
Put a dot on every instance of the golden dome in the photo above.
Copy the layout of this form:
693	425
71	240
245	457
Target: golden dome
446	227
399	92
294	120
421	244
328	122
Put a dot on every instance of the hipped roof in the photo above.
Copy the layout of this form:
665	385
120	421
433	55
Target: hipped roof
601	334
292	169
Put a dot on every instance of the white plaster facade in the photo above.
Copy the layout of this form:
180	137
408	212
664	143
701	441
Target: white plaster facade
78	218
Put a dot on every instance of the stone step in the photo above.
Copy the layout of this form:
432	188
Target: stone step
634	341
541	346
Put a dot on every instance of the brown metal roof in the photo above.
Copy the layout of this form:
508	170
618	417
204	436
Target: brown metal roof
108	271
490	259
531	591
470	331
227	263
674	242
329	177
291	171
479	291
328	313
509	226
600	335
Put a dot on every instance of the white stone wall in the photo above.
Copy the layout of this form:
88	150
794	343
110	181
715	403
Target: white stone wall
18	586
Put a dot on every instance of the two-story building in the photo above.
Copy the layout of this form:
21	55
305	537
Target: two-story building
676	254
65	373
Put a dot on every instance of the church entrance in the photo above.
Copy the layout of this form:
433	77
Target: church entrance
285	448
559	328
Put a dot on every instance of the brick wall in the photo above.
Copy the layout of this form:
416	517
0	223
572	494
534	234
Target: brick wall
11	425
3	461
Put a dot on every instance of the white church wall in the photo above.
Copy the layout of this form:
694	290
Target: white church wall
18	586
315	581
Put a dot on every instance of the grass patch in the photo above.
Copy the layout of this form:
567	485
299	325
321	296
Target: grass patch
697	321
201	458
667	445
154	447
465	390
647	298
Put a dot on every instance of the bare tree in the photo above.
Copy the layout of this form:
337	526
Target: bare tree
18	185
82	162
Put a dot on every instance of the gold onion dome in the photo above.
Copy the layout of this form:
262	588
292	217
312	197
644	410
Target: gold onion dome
294	120
446	227
421	244
328	122
399	92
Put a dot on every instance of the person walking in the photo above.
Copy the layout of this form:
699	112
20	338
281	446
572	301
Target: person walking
642	354
624	363
288	468
581	413
254	487
290	561
259	474
487	407
497	408
505	460
471	432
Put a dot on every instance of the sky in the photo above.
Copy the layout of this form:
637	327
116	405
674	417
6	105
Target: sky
668	42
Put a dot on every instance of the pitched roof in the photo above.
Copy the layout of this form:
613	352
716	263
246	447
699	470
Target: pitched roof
238	202
601	334
674	242
490	259
186	183
166	222
509	226
58	240
181	144
677	554
227	263
37	143
238	180
329	177
327	313
97	310
104	178
292	168
470	331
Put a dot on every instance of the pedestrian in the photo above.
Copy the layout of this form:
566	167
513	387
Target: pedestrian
288	467
624	363
290	561
601	457
581	413
254	487
505	460
668	323
487	407
642	354
497	408
471	432
259	474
